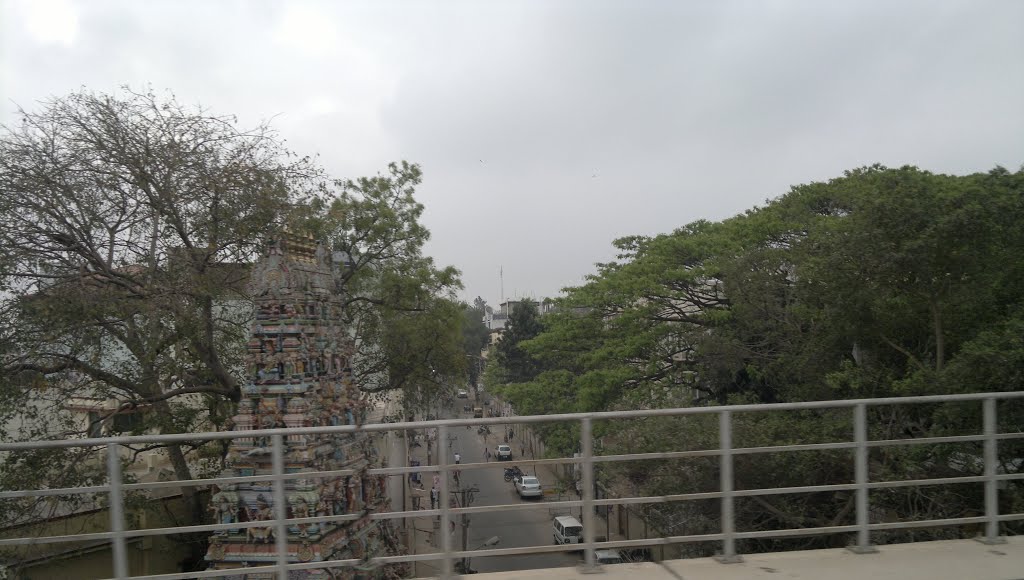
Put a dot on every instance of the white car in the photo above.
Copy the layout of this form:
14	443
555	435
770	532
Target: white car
462	394
528	486
504	453
608	557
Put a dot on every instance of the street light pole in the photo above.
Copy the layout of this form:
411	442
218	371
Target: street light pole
465	535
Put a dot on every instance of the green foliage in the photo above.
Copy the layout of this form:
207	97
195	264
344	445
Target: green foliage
130	224
127	219
523	324
883	282
475	336
399	303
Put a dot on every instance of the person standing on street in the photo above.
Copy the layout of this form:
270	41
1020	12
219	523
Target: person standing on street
433	498
487	454
458	458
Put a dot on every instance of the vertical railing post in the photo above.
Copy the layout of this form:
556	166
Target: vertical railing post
280	505
991	488
117	512
587	444
861	476
728	555
447	569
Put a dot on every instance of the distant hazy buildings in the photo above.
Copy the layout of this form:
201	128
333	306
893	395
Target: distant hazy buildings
497	320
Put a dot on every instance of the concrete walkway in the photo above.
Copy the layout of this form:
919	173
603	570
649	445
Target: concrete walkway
944	560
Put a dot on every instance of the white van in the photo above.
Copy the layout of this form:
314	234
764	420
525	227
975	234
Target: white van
567	530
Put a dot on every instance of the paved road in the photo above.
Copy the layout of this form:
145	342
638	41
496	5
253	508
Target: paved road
515	528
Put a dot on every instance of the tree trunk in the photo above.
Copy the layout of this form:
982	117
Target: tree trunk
195	511
193	502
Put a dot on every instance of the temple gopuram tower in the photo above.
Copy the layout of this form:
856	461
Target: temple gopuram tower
298	364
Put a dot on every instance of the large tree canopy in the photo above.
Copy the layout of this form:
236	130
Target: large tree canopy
881	282
400	305
131	224
475	336
126	220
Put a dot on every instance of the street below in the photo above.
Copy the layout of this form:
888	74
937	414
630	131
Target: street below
478	487
518	528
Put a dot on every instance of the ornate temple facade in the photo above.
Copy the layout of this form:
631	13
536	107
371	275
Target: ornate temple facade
298	363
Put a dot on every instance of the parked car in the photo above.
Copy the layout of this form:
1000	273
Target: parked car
504	453
608	557
528	486
567	530
462	394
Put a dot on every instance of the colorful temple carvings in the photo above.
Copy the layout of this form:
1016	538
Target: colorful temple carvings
298	363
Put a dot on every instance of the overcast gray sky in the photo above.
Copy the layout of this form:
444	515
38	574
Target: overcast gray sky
547	129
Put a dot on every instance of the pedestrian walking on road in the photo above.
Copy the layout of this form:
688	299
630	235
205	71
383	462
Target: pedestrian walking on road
434	496
487	454
458	459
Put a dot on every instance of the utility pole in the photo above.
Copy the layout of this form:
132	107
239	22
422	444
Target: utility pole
464	498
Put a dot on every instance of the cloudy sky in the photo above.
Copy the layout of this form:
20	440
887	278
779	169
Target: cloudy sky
547	129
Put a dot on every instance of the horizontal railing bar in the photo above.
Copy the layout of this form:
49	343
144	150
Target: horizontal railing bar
796	532
433	556
658	498
928	523
184	483
926	440
504	507
802	489
916	482
657	455
56	491
178	483
795	489
468	466
800	447
663	541
210	527
611	415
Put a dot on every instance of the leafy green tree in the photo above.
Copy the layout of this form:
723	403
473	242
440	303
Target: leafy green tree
475	336
398	302
881	282
523	324
131	222
126	219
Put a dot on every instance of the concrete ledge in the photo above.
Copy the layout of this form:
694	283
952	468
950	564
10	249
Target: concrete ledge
944	560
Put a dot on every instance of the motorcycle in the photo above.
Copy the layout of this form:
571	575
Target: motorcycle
512	473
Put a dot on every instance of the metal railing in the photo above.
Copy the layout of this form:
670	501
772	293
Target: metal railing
725	452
